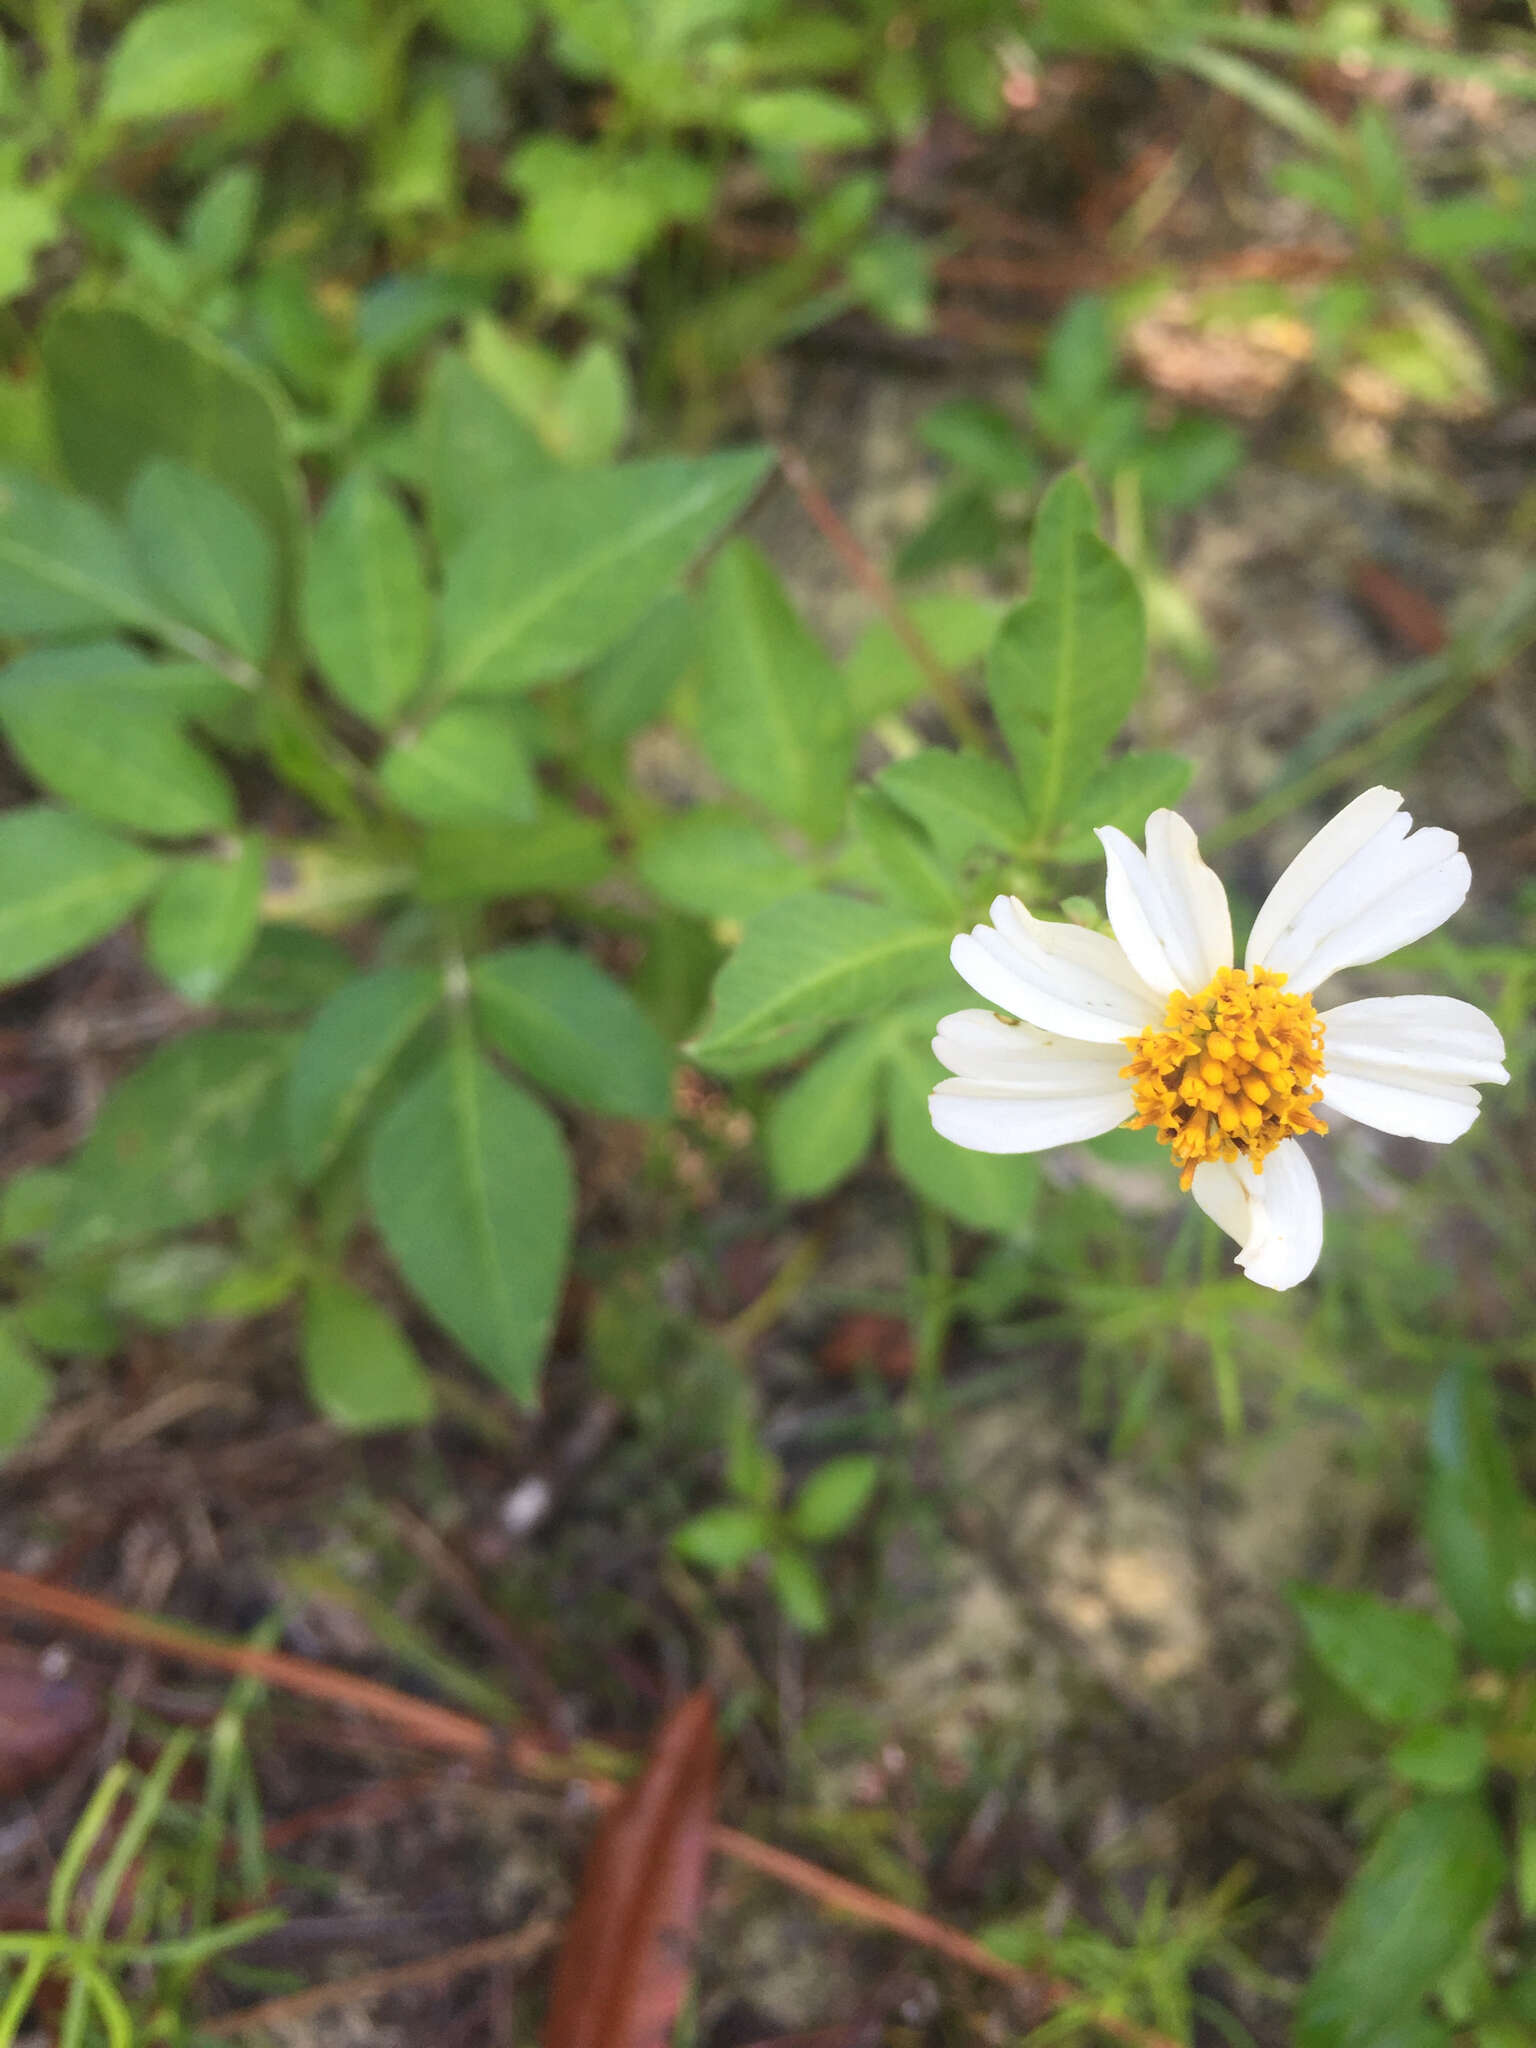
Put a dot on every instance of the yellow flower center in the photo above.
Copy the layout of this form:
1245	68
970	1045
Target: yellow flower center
1229	1073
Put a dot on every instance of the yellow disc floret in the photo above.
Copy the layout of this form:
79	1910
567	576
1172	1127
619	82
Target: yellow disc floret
1229	1073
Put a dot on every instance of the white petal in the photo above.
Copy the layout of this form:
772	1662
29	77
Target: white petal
1323	855
1276	1216
1168	910
982	1046
1058	977
1406	1064
989	1116
1411	1107
1435	1035
1384	894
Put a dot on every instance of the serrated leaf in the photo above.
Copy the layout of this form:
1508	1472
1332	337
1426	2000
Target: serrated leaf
467	766
715	863
983	1190
772	712
556	573
64	883
367	612
184	1139
813	960
1067	664
965	800
204	919
64	566
573	1029
1400	1666
470	1185
210	562
84	731
358	1364
1418	1899
833	1498
345	1056
822	1125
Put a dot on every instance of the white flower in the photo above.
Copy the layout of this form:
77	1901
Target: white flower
1156	1027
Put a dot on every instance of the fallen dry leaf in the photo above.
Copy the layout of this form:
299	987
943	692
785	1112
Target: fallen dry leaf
627	1955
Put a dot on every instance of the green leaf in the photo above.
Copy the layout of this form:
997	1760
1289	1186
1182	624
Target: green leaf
982	439
64	883
26	1388
217	227
800	1592
30	1203
902	858
367	613
722	1539
717	864
561	850
820	1128
965	800
1480	1526
1437	1759
772	714
345	1056
467	766
573	1029
211	563
183	55
290	972
630	685
471	1187
588	214
881	673
69	1319
1418	1900
797	118
813	960
1124	792
64	567
126	390
556	573
204	920
983	1190
833	1498
475	450
29	222
1066	667
84	731
184	1139
1400	1666
358	1365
